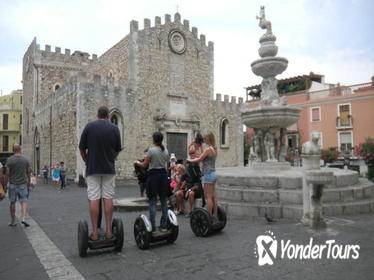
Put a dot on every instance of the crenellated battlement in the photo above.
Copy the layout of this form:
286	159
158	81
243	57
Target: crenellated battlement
134	27
226	103
66	56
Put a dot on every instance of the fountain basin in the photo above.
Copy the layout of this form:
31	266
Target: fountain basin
269	67
319	177
270	116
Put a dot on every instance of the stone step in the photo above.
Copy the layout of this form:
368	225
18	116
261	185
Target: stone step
348	207
295	212
357	192
242	209
248	195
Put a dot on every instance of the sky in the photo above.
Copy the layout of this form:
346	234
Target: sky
329	37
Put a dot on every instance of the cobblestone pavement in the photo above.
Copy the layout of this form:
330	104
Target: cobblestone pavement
227	255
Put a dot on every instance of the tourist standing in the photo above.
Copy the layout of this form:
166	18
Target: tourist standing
18	172
157	182
63	170
45	171
195	149
56	175
208	157
99	146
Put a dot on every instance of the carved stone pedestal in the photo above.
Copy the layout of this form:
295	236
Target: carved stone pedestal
313	184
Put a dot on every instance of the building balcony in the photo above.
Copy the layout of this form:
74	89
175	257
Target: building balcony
344	124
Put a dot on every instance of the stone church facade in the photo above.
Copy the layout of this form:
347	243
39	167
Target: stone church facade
156	78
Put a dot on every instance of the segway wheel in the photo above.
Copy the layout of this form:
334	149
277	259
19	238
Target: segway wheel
221	217
201	222
142	236
117	228
174	233
82	238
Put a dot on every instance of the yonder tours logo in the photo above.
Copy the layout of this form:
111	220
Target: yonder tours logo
266	250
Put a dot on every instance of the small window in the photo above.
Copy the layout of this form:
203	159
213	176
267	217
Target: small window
344	115
345	139
56	87
224	129
5	121
5	143
20	99
316	114
20	139
20	119
110	74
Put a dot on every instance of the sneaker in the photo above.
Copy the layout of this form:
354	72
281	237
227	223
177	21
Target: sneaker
12	224
25	223
94	237
109	235
162	229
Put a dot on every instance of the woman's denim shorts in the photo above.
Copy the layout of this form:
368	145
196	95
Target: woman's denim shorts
210	178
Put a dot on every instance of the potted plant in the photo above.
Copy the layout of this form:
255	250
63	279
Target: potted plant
366	151
330	154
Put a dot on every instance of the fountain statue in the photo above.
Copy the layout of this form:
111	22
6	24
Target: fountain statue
272	116
269	186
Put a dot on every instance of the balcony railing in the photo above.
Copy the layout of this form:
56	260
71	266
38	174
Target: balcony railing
347	123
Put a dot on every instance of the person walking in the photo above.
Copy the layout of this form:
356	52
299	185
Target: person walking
18	172
157	182
45	171
208	157
63	170
99	146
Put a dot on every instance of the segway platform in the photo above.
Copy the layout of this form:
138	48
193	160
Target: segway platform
143	231
85	243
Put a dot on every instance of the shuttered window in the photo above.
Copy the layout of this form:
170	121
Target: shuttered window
316	114
344	115
345	141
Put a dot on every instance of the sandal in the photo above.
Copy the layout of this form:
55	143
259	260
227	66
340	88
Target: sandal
94	237
108	235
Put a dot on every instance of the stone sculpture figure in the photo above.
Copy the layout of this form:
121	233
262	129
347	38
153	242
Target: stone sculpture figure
257	144
311	147
269	91
269	145
264	24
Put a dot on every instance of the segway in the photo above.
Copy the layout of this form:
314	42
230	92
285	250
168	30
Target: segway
84	242
143	231
203	223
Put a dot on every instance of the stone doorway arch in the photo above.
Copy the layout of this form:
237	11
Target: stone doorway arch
115	117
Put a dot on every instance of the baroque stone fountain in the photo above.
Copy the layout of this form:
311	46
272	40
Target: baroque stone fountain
272	116
270	185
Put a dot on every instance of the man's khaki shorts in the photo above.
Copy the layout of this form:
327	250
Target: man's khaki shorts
100	186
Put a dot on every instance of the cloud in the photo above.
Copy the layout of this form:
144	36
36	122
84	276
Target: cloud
11	76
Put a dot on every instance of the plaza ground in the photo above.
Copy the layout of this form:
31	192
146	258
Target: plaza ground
227	255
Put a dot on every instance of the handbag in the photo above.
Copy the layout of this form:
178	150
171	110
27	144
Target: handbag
2	193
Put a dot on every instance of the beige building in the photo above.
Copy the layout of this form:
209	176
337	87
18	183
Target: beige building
10	123
156	78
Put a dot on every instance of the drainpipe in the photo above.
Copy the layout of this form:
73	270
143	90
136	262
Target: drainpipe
50	136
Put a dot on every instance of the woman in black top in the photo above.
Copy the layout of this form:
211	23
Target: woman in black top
157	182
